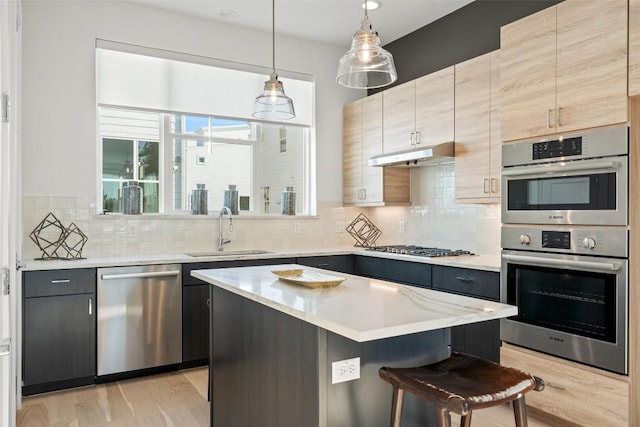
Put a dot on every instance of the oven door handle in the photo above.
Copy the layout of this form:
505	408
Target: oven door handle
590	265
567	167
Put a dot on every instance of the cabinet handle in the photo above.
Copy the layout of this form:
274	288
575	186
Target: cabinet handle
494	185
485	185
418	139
412	138
53	282
549	118
464	279
208	302
90	306
558	123
364	194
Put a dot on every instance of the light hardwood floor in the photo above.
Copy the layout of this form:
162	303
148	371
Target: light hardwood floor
173	399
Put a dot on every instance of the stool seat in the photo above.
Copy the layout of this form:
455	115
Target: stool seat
461	384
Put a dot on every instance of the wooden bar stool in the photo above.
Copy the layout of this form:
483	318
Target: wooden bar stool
461	384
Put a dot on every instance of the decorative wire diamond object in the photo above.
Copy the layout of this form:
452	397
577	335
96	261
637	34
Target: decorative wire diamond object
364	231
52	237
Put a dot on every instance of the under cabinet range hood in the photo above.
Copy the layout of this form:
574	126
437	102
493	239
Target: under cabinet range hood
423	156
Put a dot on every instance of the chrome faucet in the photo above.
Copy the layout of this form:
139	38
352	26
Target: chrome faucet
221	241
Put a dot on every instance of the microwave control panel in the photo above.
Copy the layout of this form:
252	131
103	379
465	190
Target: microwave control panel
557	148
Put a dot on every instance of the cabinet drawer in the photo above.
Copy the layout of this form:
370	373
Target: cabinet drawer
410	273
475	283
59	282
189	280
580	395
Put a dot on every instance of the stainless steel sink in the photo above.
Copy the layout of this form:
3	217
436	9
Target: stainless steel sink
228	253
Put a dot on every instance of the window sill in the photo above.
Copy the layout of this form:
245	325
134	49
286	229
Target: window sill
216	215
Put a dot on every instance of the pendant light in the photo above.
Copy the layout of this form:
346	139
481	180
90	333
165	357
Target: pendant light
273	104
366	65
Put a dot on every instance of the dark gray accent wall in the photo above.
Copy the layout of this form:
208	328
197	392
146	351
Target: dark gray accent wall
464	34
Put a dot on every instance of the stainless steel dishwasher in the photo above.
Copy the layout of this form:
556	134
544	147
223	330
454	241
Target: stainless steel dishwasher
139	311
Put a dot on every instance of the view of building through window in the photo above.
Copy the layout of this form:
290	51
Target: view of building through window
170	154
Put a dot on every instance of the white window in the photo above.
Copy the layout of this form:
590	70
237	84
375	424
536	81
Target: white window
171	121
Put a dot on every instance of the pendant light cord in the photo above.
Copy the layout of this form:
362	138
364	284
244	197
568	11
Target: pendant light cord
273	34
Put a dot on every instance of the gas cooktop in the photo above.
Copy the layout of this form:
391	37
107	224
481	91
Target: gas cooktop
419	250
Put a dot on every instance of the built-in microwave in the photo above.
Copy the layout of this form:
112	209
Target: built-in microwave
573	179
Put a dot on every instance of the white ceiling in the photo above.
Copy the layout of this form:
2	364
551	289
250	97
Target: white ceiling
325	21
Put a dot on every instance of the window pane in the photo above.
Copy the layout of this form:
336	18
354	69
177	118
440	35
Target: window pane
150	197
117	158
216	165
112	196
148	158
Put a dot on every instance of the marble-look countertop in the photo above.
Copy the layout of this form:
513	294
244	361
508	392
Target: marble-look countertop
360	309
477	262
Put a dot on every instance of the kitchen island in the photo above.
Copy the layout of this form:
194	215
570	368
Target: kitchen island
274	346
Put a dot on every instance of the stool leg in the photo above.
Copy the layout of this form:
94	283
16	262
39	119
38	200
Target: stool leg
465	420
520	412
396	406
442	417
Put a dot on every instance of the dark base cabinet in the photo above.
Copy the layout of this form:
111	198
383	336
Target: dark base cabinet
406	272
479	339
339	263
195	321
195	307
59	330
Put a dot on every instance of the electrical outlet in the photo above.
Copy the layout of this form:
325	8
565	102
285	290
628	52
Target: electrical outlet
132	229
339	226
296	227
345	370
403	227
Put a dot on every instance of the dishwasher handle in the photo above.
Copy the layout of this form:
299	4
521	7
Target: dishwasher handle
140	275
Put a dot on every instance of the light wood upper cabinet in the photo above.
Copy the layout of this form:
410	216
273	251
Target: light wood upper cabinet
365	185
435	107
419	112
634	47
477	129
564	68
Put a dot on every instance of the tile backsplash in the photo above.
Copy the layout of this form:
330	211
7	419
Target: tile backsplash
434	219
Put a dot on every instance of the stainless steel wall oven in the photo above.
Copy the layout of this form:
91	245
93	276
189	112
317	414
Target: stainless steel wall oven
570	304
565	246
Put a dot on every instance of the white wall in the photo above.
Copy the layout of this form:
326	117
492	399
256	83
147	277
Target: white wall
59	136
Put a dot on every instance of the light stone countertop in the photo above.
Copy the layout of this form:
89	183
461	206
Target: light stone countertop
477	262
360	309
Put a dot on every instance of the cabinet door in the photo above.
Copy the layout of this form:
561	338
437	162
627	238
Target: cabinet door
399	117
473	127
495	165
59	339
372	177
528	75
435	107
195	325
352	156
634	47
591	63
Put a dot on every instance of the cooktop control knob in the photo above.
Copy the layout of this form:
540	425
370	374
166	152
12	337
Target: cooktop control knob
525	239
589	242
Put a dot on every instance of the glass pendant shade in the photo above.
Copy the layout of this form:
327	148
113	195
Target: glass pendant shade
366	65
273	104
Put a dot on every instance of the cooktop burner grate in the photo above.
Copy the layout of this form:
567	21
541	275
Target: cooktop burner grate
419	250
